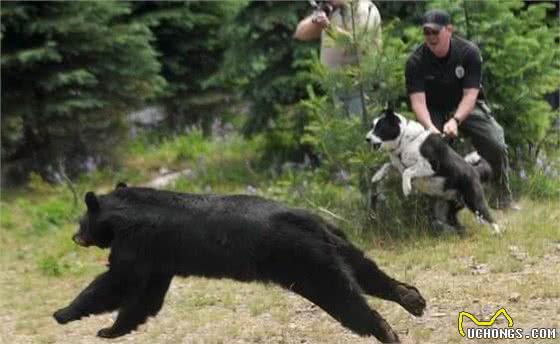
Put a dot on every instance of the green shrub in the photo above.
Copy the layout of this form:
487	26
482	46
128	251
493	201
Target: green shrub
50	266
51	215
538	185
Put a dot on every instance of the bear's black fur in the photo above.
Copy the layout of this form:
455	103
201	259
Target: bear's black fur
154	235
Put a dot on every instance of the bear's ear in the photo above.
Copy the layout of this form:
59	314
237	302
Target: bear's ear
121	185
92	202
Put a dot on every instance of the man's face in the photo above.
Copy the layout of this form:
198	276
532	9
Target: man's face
437	37
337	3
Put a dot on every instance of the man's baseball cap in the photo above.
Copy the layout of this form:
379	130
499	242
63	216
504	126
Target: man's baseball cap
436	19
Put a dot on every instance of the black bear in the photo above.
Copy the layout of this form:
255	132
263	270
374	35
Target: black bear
154	235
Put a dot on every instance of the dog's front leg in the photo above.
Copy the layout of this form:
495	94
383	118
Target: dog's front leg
395	161
407	182
414	171
381	173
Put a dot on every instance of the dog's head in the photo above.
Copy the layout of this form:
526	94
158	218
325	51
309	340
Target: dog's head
386	129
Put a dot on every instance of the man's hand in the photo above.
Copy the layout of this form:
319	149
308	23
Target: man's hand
434	130
320	18
450	128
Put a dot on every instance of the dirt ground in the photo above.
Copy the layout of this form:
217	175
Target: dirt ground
199	310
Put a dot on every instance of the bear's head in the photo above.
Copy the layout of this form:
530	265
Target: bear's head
94	230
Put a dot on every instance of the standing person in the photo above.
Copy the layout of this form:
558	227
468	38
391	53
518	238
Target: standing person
335	29
443	81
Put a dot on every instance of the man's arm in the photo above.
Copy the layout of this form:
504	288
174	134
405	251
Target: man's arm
418	104
463	110
310	27
471	86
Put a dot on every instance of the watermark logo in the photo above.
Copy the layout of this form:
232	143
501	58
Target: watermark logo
484	331
477	322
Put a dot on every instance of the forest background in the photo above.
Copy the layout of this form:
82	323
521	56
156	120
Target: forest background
218	96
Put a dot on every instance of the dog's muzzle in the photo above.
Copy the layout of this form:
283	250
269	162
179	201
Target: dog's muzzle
374	144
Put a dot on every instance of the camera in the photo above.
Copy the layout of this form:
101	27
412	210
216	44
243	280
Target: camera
321	6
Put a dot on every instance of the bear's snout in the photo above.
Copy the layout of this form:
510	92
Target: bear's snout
77	238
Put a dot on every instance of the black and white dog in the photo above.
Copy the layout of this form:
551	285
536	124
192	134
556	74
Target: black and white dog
429	165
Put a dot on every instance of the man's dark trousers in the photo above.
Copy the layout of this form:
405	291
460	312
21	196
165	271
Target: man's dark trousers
487	137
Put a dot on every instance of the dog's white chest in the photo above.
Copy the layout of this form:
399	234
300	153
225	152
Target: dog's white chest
410	150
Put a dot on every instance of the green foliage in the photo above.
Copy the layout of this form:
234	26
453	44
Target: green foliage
51	215
339	141
181	148
395	216
69	71
340	202
7	221
263	59
188	40
539	183
50	266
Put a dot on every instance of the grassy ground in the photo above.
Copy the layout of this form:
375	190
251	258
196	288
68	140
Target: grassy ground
42	270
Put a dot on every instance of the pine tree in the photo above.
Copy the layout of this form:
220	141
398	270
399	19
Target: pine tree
265	62
70	70
188	39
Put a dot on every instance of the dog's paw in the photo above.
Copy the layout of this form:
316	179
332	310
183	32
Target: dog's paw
380	174
406	188
65	315
496	229
377	178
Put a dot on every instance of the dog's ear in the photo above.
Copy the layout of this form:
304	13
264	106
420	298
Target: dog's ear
121	185
389	107
390	113
92	202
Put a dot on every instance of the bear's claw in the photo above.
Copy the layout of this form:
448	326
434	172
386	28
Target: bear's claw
411	299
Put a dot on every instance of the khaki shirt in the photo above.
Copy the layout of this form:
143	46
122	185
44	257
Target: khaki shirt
337	52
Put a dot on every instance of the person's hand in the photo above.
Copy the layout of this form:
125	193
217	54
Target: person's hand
450	128
320	18
434	130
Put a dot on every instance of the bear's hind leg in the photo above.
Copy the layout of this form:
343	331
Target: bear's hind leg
336	292
377	283
141	303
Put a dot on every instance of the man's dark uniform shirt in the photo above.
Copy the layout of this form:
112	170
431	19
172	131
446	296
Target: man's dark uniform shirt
443	79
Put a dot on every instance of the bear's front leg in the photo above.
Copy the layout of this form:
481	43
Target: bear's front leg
145	300
410	299
102	295
67	314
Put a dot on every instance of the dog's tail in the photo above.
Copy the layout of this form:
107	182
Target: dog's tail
480	165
